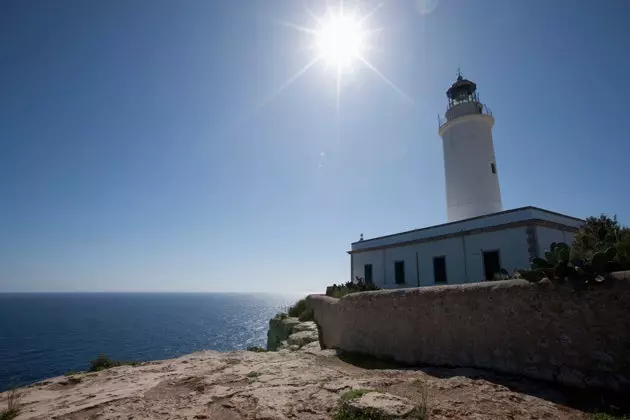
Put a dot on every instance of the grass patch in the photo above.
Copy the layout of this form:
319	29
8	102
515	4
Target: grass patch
343	413
103	362
13	405
257	349
354	394
346	412
253	374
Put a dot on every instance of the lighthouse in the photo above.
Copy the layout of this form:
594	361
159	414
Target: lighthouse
481	240
470	167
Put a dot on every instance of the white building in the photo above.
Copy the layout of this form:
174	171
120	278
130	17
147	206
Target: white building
480	238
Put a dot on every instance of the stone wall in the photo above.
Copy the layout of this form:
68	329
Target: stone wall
542	331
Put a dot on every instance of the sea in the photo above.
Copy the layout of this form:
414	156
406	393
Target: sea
48	334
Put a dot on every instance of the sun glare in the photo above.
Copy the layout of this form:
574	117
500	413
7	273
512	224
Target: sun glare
340	40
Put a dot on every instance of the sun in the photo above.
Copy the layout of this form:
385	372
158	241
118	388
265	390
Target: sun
341	40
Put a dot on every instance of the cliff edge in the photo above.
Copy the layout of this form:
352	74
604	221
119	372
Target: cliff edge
287	332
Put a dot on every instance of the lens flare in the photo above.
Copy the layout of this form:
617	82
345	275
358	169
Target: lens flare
341	40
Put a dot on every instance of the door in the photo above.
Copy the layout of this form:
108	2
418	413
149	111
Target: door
491	264
368	274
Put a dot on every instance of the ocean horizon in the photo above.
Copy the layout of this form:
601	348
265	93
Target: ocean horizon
46	334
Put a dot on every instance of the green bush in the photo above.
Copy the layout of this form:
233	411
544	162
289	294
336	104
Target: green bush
600	247
103	362
297	309
598	234
307	315
562	263
301	311
356	286
354	394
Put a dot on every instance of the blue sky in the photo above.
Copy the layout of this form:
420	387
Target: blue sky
139	149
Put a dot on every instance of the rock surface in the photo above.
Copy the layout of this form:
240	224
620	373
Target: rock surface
289	333
280	328
383	406
301	338
303	385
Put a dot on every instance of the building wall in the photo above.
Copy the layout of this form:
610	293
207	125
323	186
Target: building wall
464	258
555	218
538	330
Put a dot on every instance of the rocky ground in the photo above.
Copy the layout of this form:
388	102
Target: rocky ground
305	384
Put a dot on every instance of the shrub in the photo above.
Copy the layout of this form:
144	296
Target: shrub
256	349
356	286
598	234
13	405
422	407
600	246
301	311
297	309
307	315
561	263
103	362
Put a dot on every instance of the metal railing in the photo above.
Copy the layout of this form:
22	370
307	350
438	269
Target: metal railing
483	109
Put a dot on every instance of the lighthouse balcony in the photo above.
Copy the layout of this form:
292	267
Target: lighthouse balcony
461	109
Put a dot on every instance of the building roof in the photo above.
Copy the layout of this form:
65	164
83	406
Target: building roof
507	218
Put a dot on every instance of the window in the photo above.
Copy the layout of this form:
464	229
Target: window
439	269
399	272
493	167
367	273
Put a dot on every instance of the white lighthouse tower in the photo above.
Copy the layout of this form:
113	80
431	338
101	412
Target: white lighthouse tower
472	182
